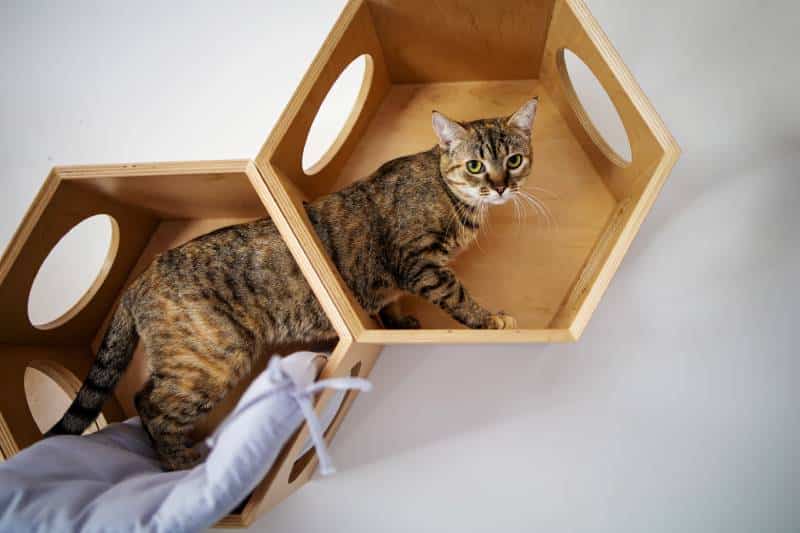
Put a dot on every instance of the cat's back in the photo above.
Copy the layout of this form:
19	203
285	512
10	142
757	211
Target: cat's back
239	254
400	182
410	191
407	173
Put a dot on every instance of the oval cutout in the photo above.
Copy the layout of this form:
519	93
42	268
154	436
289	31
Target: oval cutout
595	109
337	114
73	272
49	390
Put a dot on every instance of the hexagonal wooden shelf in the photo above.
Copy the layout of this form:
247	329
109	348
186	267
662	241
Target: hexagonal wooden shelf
473	59
155	207
469	59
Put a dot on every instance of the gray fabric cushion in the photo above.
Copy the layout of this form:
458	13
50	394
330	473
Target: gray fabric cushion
110	480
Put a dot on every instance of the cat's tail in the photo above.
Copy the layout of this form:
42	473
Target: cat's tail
112	359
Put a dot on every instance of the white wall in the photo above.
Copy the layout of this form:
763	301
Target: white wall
677	411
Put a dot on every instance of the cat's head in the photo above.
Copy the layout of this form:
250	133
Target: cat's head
486	160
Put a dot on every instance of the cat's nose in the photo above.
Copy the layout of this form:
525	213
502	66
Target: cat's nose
500	189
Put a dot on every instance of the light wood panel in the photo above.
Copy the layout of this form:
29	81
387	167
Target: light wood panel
280	160
131	195
521	266
8	446
465	336
203	189
461	40
635	185
352	36
164	193
157	206
551	280
45	381
347	317
59	207
575	29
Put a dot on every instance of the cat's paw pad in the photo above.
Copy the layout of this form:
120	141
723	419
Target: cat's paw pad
402	322
501	320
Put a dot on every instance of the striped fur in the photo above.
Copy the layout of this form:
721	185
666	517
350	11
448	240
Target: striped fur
205	311
112	359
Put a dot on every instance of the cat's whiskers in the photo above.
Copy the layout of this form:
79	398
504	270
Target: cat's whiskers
528	198
514	188
546	191
539	207
540	210
517	211
514	204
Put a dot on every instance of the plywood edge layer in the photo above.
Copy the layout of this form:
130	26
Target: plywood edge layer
8	446
624	75
300	94
465	336
153	169
29	222
595	262
310	258
621	245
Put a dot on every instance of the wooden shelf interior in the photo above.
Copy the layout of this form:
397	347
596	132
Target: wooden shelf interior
156	207
451	57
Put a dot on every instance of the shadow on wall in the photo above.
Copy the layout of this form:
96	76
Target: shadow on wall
755	183
437	393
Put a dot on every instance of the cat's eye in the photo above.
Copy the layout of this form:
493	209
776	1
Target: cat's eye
474	166
514	161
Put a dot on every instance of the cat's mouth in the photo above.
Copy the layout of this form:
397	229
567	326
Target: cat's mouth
485	197
499	199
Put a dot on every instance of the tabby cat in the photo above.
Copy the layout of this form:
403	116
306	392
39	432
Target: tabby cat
207	309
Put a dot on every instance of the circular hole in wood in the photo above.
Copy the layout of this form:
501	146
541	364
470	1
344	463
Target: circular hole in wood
73	272
594	108
49	390
331	414
337	114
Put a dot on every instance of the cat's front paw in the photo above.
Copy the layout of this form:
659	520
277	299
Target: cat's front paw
501	320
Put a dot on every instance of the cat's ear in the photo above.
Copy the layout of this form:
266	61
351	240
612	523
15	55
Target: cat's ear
523	118
447	130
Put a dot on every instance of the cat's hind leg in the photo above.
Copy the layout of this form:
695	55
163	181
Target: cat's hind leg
189	377
169	416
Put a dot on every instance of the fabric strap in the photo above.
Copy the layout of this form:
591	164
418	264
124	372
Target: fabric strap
303	394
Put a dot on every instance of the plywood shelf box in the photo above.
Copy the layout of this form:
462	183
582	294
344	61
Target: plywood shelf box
468	59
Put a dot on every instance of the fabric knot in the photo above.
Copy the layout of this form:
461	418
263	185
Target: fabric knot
303	394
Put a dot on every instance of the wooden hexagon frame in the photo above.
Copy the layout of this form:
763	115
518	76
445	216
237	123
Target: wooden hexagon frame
558	279
157	206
